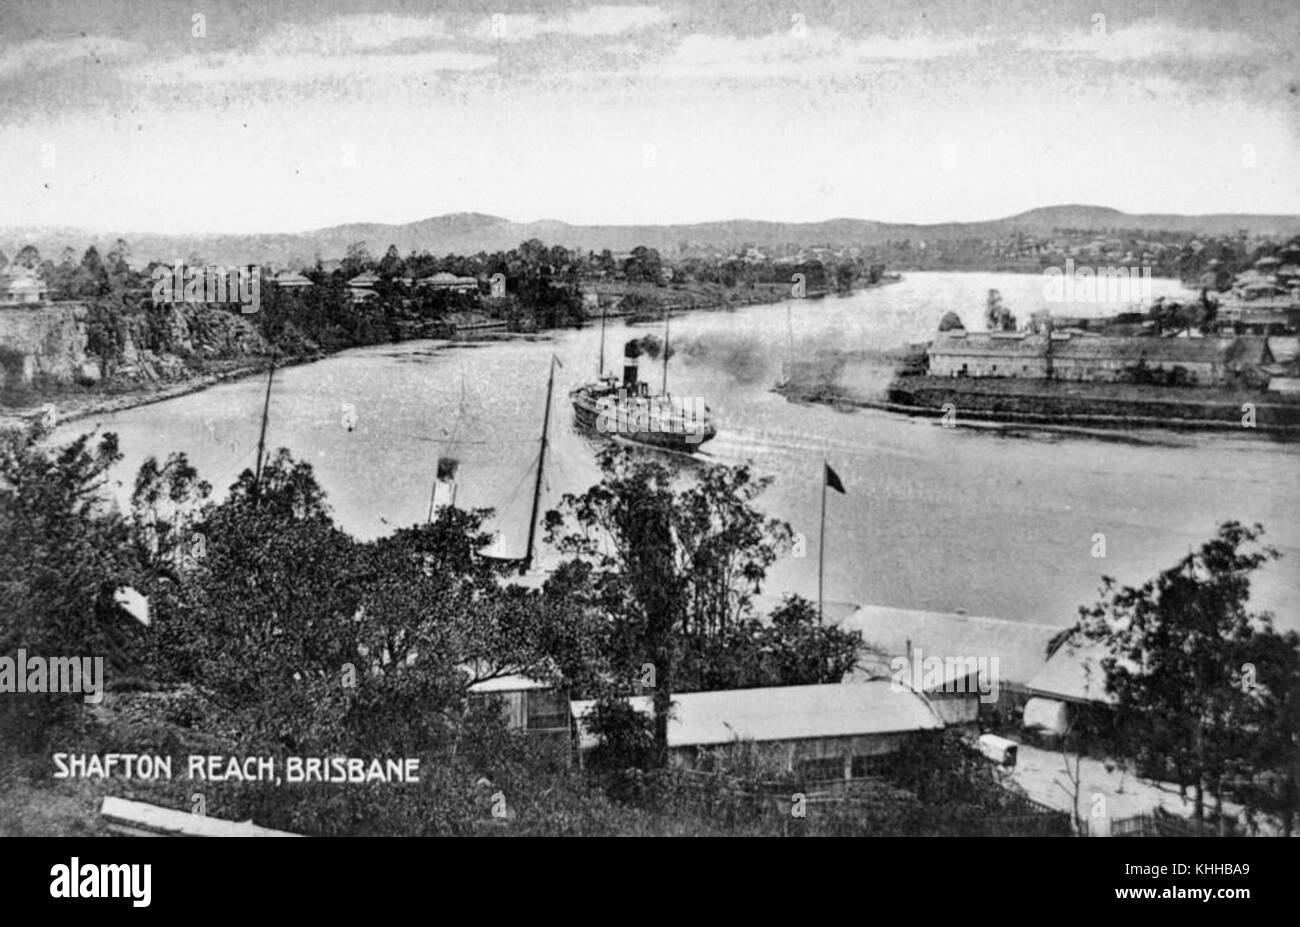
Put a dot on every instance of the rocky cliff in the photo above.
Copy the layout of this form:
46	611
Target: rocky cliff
80	343
48	341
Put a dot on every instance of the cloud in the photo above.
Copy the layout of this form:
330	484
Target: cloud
355	47
344	34
48	55
1147	39
594	21
814	53
264	66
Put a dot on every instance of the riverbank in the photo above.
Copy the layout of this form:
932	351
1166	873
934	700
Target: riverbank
73	403
1096	405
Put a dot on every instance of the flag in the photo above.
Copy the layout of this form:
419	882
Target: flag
833	479
447	467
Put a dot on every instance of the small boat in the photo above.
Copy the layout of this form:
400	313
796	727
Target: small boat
626	408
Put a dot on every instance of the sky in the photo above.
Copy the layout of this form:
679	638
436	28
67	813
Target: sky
241	116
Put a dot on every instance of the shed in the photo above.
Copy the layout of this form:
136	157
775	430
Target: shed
1020	647
527	704
833	730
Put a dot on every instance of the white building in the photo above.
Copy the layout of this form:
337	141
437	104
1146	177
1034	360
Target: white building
22	286
832	731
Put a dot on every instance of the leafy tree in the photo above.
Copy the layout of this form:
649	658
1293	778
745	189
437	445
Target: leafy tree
673	561
643	266
997	316
1183	662
357	260
318	642
63	555
791	648
91	279
392	266
28	257
951	321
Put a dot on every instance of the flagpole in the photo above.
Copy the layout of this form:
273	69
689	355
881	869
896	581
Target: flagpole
821	547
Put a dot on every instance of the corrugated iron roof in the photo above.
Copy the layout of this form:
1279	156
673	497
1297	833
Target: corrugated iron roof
702	719
1020	646
980	344
512	683
1135	349
1074	673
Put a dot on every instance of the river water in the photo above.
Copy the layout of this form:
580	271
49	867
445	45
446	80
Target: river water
998	523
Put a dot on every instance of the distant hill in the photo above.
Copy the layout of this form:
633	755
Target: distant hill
469	233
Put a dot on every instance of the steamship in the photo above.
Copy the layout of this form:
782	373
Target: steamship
626	408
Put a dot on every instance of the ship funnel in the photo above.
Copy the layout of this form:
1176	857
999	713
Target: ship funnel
631	351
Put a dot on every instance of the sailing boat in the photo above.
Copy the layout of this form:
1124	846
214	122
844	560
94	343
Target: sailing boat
525	563
627	409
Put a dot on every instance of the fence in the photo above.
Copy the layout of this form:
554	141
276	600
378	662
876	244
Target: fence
1160	825
839	807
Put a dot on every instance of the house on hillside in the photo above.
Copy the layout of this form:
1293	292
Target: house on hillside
820	732
449	283
291	280
362	287
22	286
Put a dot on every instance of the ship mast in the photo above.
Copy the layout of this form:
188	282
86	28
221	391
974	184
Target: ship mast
261	438
600	372
541	462
668	314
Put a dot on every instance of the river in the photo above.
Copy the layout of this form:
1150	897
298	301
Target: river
997	523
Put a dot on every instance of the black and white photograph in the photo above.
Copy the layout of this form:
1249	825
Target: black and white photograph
552	418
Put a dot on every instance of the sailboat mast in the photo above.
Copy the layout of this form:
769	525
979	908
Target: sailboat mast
600	372
541	462
668	314
261	438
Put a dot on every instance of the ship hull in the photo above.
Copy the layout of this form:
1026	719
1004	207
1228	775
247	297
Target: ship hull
597	413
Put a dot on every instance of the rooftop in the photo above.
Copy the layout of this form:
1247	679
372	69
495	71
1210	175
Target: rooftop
702	719
968	344
1020	646
1074	673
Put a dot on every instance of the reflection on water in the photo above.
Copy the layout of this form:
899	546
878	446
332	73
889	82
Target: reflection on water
996	522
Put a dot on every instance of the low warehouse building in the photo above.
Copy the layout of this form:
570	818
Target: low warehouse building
1097	359
834	731
1006	655
981	354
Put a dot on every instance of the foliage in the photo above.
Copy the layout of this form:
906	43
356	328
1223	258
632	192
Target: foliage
63	554
1204	689
673	559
